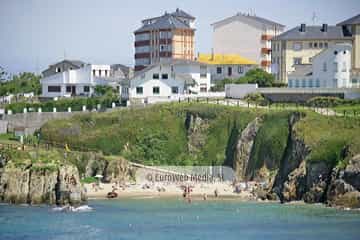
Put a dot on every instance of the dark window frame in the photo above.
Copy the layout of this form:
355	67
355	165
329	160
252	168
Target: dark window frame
156	76
156	92
54	88
139	90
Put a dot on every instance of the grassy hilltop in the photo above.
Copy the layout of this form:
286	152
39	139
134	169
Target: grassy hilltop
159	134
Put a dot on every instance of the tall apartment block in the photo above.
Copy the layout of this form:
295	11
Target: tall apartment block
170	36
248	36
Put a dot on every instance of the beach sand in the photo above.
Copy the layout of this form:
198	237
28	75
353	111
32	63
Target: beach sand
225	190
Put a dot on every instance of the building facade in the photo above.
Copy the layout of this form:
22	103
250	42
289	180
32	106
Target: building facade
64	80
170	36
352	26
222	66
248	36
331	68
300	44
168	80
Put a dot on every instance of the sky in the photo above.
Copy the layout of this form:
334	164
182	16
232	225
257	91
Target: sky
37	33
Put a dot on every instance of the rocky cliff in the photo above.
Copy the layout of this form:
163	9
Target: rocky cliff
26	185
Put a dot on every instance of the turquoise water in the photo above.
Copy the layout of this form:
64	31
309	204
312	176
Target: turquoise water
173	219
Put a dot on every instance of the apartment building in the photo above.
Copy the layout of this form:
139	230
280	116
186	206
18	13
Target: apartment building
352	26
170	36
299	45
248	36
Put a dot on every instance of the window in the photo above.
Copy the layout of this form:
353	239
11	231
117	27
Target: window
336	67
315	45
335	52
290	83
218	70
100	73
164	76
155	76
310	45
68	89
240	69
203	71
203	87
321	45
297	83
354	80
326	45
54	89
139	90
324	67
94	72
335	82
86	88
58	70
297	46
303	83
229	71
310	83
297	61
174	90
156	90
106	73
310	60
317	83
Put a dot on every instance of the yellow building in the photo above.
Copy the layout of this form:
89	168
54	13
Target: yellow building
300	44
223	66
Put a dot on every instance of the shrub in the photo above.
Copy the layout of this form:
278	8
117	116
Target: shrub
256	98
325	102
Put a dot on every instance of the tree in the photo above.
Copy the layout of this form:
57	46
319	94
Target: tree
22	83
259	76
101	90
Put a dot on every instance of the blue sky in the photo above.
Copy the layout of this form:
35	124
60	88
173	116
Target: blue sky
36	33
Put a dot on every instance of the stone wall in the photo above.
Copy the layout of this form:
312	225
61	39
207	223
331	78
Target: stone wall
33	121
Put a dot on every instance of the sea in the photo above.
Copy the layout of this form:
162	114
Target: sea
173	218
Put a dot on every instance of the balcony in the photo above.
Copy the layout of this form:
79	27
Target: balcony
265	63
142	43
265	50
142	55
266	37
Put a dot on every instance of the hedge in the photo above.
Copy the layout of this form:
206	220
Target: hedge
62	105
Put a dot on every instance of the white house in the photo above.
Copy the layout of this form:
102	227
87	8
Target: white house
169	79
72	78
331	68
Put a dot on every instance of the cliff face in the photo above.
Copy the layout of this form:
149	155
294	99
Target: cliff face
35	186
243	149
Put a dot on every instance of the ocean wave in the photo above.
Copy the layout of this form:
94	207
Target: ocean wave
83	208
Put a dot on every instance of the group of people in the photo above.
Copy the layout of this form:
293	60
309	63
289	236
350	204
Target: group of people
188	190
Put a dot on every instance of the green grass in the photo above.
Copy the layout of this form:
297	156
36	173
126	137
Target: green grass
158	135
329	137
270	142
349	109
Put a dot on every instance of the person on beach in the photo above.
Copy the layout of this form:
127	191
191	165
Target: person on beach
216	193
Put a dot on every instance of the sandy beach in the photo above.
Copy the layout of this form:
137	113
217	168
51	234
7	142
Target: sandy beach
224	190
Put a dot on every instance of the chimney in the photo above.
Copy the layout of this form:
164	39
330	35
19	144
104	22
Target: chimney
303	27
212	54
324	28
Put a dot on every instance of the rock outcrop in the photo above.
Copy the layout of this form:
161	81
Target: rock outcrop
290	176
196	132
243	149
36	186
